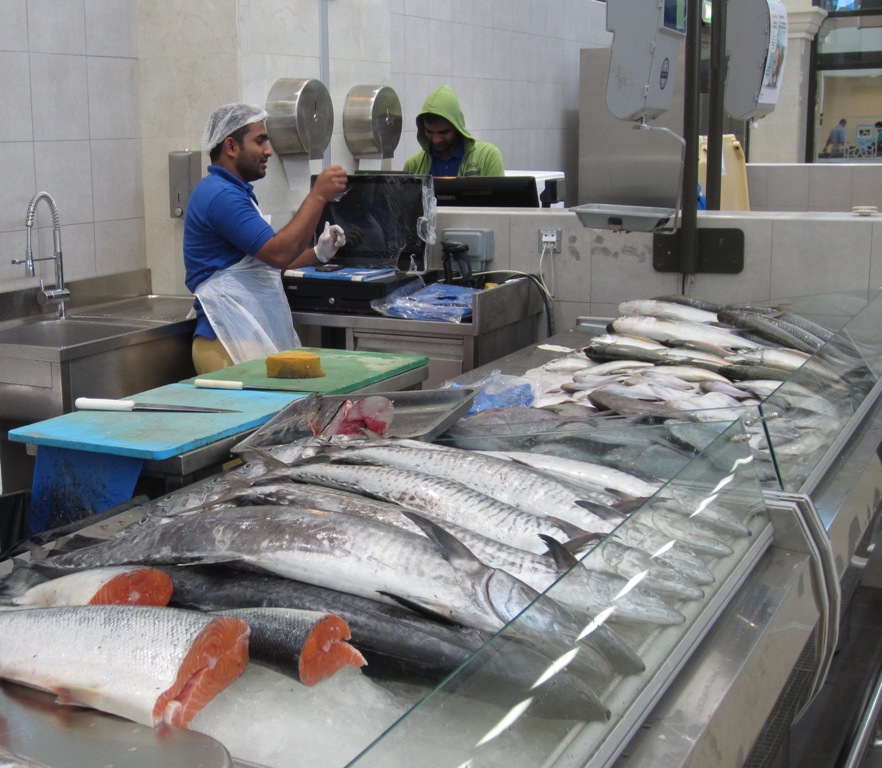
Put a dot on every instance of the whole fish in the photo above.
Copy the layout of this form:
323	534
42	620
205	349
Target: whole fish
691	301
789	360
339	552
668	309
510	483
774	331
582	590
665	330
402	645
438	495
154	664
588	589
587	472
309	646
446	499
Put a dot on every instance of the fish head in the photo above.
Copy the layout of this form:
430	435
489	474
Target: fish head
510	599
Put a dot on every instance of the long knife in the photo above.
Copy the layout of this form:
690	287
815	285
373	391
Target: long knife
227	384
101	404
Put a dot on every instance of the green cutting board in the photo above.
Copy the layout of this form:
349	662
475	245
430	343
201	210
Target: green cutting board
346	370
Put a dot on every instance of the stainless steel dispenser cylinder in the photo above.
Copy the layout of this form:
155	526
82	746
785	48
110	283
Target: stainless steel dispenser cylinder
300	117
372	121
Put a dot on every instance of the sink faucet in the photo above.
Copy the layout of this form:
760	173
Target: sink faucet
59	293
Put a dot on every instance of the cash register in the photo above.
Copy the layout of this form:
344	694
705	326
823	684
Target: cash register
388	219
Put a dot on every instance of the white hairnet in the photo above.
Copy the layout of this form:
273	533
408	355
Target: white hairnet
228	119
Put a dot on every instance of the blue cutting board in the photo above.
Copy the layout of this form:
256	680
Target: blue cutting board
158	434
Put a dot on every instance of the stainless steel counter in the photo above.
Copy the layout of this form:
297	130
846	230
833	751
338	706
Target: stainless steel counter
504	319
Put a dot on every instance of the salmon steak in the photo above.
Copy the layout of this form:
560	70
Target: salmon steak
144	663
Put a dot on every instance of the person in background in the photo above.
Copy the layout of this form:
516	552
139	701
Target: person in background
448	149
836	139
878	126
233	257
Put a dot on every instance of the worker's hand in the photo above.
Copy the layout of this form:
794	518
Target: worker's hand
330	183
329	242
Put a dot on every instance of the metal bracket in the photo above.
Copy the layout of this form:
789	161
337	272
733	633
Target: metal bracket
720	251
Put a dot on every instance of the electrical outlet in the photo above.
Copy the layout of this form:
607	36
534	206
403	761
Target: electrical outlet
550	237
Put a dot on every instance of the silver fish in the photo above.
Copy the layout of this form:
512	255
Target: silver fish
667	309
340	552
443	498
665	330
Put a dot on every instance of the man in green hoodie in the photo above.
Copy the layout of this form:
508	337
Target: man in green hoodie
448	148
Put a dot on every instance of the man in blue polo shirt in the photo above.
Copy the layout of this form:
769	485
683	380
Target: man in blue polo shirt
233	257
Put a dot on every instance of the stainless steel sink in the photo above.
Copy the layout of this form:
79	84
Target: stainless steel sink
112	350
61	333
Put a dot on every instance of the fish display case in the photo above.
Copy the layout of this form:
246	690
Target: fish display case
700	604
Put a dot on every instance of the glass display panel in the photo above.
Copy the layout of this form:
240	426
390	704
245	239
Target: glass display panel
634	603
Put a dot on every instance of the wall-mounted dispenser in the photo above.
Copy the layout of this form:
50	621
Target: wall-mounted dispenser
372	122
299	124
756	44
301	117
184	172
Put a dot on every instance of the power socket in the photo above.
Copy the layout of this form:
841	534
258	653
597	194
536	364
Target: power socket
550	237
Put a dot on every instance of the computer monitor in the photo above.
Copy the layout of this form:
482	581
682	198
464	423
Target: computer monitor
487	191
382	215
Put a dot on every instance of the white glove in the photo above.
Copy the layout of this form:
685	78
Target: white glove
329	242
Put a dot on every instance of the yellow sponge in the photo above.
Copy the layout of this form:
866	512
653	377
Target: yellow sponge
294	364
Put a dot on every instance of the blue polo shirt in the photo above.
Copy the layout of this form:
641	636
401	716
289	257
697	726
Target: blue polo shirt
450	167
221	227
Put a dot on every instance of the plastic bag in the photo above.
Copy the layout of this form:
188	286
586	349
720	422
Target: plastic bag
499	390
438	301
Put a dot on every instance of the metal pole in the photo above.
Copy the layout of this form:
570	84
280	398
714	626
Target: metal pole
689	240
713	175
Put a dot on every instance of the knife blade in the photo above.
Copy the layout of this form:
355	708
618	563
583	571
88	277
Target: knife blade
226	384
102	404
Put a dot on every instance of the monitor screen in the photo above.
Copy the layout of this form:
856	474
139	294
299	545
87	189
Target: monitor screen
487	191
382	215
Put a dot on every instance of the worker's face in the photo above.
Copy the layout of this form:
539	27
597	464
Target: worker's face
442	136
252	153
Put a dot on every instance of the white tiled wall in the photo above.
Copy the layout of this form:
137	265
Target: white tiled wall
71	127
96	93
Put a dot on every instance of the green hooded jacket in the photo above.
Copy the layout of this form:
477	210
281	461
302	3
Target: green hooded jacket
481	158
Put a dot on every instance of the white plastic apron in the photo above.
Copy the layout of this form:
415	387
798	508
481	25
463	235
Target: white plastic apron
248	310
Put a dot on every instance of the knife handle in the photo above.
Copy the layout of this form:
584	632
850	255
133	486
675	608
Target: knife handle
219	384
102	404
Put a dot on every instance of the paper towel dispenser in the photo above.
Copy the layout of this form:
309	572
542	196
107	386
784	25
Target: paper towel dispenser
372	121
300	117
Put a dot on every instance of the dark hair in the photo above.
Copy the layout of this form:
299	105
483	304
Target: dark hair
236	136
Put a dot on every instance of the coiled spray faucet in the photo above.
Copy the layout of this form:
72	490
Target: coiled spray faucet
59	293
